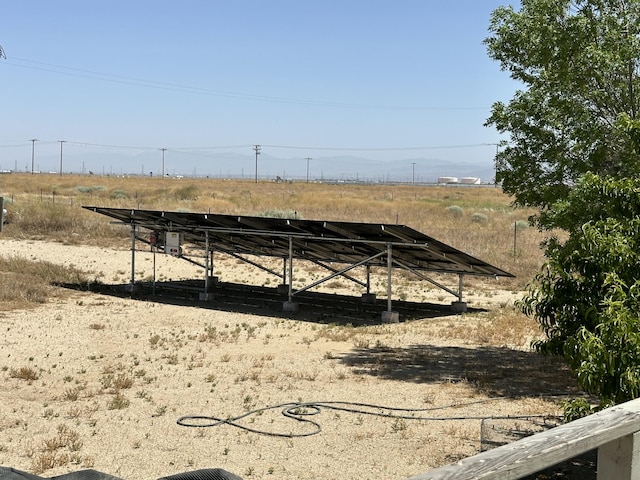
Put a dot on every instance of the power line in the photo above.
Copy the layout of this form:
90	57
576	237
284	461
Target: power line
102	145
202	150
383	149
107	77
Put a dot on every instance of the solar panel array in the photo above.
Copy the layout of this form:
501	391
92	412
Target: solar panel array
315	240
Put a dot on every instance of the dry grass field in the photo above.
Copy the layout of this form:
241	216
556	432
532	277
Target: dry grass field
477	220
93	378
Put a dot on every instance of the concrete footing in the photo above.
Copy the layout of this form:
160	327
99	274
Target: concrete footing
458	307
290	306
368	298
205	296
390	317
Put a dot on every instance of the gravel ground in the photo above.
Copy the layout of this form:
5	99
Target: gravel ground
99	380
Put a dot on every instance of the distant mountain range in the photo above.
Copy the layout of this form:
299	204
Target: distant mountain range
240	165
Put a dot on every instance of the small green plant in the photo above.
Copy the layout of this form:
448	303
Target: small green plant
160	411
71	394
575	408
118	402
399	425
155	340
248	403
144	395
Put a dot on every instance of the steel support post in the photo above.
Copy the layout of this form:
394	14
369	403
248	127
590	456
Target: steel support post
290	269
389	266
133	255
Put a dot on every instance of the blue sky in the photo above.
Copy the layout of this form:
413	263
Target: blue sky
369	78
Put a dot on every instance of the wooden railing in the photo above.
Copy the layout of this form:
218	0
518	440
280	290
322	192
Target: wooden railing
615	432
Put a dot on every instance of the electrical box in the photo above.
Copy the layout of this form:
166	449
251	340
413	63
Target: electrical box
172	244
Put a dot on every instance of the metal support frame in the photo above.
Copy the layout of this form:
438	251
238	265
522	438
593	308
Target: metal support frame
335	270
389	267
287	271
284	270
422	276
290	295
368	284
153	249
207	270
255	264
133	255
338	273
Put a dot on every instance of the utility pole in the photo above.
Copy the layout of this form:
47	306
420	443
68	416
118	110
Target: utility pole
308	158
413	172
256	148
61	142
495	167
33	150
163	150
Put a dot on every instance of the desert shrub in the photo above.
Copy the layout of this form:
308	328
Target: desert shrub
46	218
480	218
89	190
119	195
279	214
27	282
455	211
188	192
118	402
24	373
61	222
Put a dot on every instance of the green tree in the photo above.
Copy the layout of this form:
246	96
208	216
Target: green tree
577	62
587	297
574	153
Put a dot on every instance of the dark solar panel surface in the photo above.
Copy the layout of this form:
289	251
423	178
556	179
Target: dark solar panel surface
316	240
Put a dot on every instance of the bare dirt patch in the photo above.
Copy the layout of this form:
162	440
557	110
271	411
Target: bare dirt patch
110	375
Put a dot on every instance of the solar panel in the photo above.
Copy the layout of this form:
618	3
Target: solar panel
314	240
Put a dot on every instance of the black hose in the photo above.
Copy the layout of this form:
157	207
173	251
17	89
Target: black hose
298	411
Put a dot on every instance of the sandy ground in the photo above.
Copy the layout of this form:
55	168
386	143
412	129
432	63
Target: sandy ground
114	375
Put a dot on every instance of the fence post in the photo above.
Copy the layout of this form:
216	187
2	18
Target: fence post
620	459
